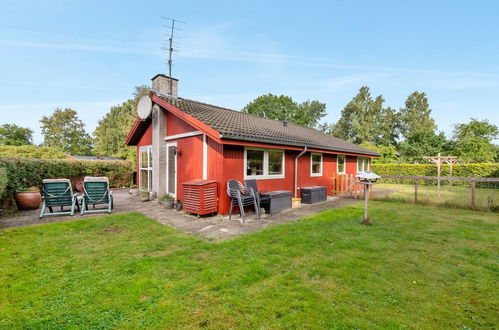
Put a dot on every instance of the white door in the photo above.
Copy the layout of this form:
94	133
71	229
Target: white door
171	168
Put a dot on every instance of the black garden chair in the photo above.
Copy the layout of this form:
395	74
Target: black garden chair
242	196
263	199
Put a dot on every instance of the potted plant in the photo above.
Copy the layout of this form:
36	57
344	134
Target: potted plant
144	195
167	201
28	199
134	191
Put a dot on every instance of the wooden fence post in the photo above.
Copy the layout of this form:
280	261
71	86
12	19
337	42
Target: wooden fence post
473	194
415	191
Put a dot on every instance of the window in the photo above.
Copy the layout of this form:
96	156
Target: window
145	170
263	164
362	164
340	165
315	164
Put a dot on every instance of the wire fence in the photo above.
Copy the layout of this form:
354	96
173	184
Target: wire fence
470	193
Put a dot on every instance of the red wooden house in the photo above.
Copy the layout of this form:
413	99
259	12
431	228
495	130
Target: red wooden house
186	140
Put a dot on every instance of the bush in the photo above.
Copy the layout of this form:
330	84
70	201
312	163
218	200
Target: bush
482	170
22	173
29	151
485	170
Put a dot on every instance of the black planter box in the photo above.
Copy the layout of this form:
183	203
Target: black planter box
311	195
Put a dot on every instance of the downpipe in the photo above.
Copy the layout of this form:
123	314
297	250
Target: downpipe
296	170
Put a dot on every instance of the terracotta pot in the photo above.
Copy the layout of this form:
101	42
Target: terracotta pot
28	200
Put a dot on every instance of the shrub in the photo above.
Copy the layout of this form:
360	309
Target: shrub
22	173
29	151
482	170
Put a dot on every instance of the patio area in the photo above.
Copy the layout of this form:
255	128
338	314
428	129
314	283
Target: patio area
209	228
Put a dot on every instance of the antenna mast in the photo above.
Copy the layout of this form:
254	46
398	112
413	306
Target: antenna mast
171	46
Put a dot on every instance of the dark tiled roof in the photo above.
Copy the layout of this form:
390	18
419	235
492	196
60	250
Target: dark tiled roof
236	125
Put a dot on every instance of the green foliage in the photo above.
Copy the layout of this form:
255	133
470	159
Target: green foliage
473	141
388	153
416	115
364	119
30	151
424	142
283	107
4	180
64	131
23	173
112	130
485	170
13	135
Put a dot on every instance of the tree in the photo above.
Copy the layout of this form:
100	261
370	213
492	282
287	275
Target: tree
424	142
416	115
388	153
473	141
13	135
365	119
283	107
64	131
113	128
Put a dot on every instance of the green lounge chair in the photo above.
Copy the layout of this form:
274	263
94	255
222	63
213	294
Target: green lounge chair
96	191
58	193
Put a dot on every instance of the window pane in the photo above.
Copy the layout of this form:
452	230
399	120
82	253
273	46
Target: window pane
366	164
275	162
360	164
150	157
316	164
143	158
341	164
144	180
254	160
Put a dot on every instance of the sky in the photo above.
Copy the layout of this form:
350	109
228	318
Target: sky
89	55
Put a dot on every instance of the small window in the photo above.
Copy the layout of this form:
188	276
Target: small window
340	166
315	164
263	164
145	170
362	164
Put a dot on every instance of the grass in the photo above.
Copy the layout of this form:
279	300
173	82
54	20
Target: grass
415	267
486	199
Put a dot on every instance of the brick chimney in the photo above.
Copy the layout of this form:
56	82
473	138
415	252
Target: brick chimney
162	84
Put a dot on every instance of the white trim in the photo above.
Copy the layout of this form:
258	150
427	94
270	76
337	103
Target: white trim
265	174
148	149
365	161
322	159
344	165
205	158
166	168
182	135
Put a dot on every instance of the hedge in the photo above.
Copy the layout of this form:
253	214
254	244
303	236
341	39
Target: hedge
29	151
485	170
17	174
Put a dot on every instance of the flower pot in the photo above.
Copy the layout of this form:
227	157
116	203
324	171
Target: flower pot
144	196
28	200
134	191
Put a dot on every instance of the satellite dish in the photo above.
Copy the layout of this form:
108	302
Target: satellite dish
144	107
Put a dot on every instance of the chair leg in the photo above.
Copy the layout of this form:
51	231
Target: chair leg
230	211
241	209
42	213
83	205
257	209
73	203
50	209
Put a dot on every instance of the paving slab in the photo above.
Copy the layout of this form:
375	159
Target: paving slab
216	227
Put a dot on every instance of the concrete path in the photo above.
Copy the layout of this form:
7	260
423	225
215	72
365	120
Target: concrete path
209	228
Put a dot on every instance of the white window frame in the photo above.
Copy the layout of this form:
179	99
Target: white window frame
148	168
365	164
312	154
265	174
338	164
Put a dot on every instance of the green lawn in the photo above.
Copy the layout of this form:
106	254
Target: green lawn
417	267
486	199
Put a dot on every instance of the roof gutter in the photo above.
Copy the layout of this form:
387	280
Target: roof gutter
296	170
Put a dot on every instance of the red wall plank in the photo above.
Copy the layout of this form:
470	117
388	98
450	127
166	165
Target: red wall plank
175	125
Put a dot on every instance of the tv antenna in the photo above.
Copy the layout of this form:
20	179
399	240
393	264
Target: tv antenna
170	45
